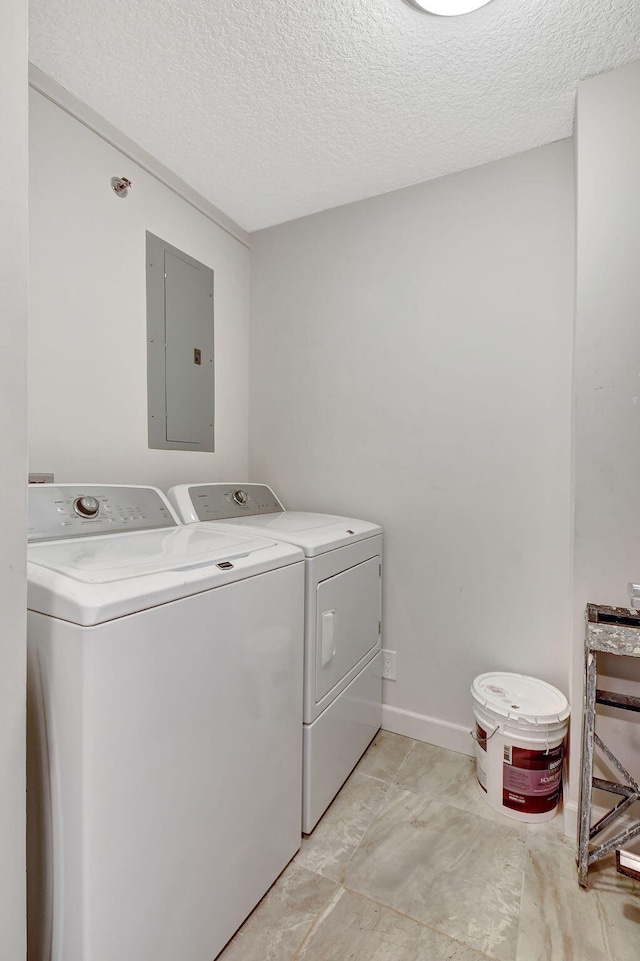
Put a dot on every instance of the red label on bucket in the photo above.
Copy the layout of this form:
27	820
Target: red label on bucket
531	780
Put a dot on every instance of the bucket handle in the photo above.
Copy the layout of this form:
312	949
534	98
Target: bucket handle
483	740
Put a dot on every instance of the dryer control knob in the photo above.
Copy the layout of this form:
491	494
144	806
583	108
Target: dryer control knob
240	497
86	506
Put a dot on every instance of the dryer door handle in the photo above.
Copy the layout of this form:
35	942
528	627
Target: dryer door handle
327	636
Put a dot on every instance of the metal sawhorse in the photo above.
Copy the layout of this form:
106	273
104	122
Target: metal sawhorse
609	630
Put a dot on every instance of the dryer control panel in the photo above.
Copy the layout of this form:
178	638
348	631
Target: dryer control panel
214	502
74	510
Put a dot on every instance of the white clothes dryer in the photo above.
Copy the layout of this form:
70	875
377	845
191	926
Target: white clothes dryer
164	711
343	663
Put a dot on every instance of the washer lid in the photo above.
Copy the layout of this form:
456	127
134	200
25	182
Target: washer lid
90	580
520	696
117	557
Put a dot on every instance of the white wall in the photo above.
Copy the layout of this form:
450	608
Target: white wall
411	363
607	375
87	366
13	440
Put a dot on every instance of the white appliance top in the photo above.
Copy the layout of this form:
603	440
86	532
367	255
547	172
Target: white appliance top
257	510
104	559
93	569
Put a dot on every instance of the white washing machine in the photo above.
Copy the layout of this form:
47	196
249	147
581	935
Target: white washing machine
343	663
164	705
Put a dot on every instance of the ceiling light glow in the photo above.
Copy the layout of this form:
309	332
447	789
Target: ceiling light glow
448	8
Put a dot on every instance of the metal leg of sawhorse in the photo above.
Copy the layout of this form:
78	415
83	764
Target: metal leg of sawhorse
612	631
586	778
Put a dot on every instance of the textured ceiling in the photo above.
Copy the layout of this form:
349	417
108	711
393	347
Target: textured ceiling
280	108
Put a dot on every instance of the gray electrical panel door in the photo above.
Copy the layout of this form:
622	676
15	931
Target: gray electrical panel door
180	367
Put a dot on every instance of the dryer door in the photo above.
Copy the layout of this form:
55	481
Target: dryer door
347	622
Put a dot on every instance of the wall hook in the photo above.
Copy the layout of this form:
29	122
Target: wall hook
120	186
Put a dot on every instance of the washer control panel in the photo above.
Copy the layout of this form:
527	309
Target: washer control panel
73	510
213	502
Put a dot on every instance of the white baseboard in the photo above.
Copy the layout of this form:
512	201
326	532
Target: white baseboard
432	730
570	816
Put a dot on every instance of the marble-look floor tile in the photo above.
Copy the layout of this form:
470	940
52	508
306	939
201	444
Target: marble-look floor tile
355	928
454	871
384	755
561	922
338	833
442	775
279	924
552	830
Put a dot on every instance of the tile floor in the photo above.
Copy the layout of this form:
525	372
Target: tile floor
410	864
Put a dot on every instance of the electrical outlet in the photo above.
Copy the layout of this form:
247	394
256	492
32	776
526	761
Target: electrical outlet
389	665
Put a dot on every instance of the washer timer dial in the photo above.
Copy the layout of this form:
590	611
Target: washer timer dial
86	506
240	497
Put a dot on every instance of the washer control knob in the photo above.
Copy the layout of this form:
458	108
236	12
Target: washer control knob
240	497
86	506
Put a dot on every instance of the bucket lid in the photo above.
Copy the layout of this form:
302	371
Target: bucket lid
518	696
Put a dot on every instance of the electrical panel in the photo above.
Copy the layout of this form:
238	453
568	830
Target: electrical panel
180	349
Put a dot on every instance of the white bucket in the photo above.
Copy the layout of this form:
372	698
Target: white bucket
521	726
